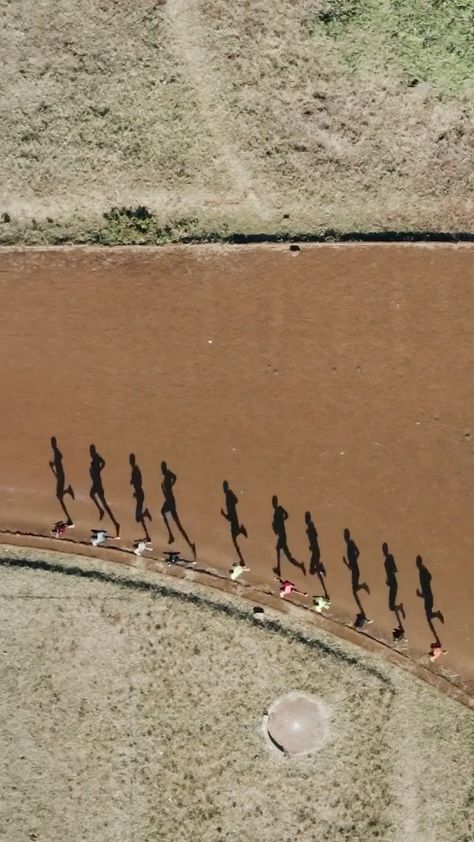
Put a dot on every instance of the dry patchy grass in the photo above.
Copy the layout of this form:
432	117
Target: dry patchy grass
218	117
132	710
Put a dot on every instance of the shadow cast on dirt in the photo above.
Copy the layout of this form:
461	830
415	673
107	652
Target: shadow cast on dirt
157	589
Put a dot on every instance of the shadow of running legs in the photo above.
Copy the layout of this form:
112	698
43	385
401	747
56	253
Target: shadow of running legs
316	567
169	507
351	560
398	610
141	513
426	594
279	528
57	467
97	493
230	514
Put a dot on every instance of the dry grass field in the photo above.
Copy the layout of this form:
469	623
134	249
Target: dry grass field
215	118
131	708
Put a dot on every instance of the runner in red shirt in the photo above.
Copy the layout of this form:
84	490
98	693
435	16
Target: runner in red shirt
287	588
60	527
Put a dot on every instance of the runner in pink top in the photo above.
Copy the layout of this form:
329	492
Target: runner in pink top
287	588
437	651
60	527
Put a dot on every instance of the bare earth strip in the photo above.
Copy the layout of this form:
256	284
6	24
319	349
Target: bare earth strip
336	380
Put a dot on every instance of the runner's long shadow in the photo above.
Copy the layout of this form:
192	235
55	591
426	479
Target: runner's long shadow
231	515
57	467
351	560
97	493
141	513
170	508
316	567
280	515
392	584
426	594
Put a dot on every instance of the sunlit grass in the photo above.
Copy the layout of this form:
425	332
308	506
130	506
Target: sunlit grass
245	117
133	710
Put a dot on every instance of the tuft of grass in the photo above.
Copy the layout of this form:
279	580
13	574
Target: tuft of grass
137	226
335	15
133	226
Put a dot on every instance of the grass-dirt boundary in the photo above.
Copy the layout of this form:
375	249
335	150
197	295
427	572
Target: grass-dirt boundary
195	581
140	227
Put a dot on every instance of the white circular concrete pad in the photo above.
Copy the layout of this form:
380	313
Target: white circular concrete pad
297	724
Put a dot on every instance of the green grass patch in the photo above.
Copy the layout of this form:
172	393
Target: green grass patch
424	40
133	226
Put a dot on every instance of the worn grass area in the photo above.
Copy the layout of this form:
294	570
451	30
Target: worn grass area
263	116
133	711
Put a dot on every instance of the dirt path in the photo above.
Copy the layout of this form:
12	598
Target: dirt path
338	381
189	43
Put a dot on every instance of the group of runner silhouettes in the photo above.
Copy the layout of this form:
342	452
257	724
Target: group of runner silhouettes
170	516
97	494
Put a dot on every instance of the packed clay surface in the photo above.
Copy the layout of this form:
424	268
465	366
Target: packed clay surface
334	381
332	386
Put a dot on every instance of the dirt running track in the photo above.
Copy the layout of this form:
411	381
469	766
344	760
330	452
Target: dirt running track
339	379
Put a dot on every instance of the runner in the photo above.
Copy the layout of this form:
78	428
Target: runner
237	569
287	588
436	652
321	603
361	620
60	527
99	536
141	546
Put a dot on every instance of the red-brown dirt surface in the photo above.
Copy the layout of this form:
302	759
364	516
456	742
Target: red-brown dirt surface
339	379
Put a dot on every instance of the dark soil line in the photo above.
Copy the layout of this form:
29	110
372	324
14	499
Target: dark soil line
157	589
164	237
331	236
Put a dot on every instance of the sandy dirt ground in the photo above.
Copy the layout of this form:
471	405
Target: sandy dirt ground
338	380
